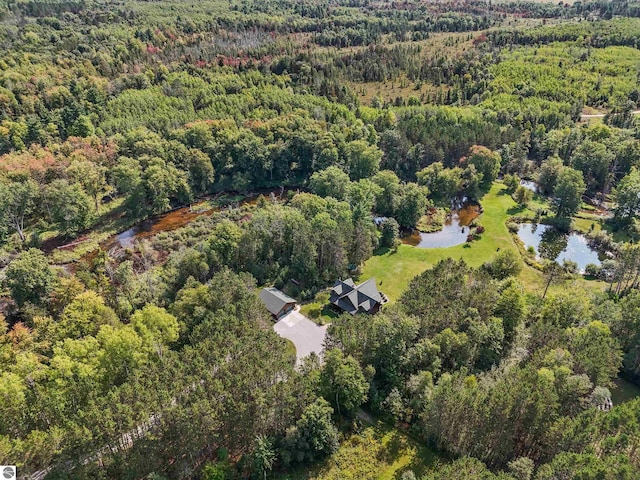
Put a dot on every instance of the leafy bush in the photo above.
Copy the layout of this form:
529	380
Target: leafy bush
570	267
513	227
522	195
313	437
593	270
511	182
506	263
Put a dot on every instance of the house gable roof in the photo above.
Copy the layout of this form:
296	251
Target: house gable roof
370	289
343	288
274	299
351	298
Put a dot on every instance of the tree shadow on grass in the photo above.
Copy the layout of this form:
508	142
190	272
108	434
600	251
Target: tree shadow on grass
328	311
516	209
399	445
424	461
393	447
378	252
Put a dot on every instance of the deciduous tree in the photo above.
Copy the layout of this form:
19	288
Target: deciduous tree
18	204
342	382
30	278
568	191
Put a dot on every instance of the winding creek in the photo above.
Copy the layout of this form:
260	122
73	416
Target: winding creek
162	223
169	221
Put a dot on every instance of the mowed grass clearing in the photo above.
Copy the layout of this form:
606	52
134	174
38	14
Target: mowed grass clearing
394	271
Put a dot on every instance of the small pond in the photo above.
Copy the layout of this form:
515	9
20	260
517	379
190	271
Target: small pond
530	185
552	244
454	231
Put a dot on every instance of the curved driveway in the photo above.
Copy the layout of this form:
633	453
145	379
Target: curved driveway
304	333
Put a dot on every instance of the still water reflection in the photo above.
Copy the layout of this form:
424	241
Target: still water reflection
552	244
454	231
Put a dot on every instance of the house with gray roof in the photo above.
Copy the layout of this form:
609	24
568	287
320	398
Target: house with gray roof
277	302
352	298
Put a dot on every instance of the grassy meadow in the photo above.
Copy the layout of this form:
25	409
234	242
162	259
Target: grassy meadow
377	452
394	270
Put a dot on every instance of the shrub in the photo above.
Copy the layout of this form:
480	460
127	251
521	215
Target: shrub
216	471
593	270
570	266
220	470
470	238
506	263
306	294
513	227
522	195
521	468
511	182
600	396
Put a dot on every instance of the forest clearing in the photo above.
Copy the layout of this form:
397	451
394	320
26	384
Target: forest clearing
319	239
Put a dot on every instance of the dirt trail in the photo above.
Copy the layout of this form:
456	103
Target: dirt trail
602	115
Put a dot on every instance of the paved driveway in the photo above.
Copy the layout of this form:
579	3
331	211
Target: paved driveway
305	335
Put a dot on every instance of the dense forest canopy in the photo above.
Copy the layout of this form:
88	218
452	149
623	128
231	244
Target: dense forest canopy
161	162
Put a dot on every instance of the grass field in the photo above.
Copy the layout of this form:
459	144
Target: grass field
319	310
394	271
378	452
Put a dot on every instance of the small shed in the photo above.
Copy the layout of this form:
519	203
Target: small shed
277	302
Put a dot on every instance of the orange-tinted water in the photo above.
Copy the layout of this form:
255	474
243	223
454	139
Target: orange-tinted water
454	231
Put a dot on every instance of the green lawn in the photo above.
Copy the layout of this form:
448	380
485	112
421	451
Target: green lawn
318	310
394	271
378	452
585	223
